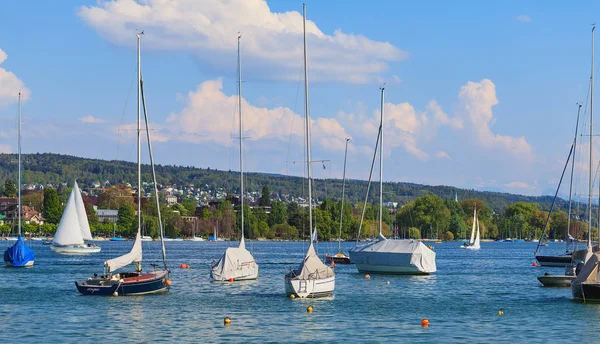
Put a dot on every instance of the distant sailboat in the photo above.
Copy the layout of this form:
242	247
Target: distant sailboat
19	254
340	257
388	256
74	228
136	282
474	242
194	237
312	278
237	263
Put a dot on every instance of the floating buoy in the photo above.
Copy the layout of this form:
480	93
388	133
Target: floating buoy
309	309
116	293
227	321
230	279
425	322
367	276
182	266
388	282
168	283
500	312
333	264
292	296
534	264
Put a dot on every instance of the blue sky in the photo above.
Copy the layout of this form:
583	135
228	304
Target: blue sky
478	94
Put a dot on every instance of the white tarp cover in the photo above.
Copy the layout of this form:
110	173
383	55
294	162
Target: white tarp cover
236	262
68	231
81	214
589	272
134	256
406	252
312	267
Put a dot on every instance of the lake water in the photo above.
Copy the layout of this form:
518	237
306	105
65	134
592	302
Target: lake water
461	300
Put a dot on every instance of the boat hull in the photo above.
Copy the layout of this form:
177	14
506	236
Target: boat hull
310	288
337	259
586	291
27	264
389	269
75	249
559	261
556	280
132	284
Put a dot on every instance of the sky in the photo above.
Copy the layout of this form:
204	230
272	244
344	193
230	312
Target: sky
478	95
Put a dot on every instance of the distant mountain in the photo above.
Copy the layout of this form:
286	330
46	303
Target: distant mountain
49	168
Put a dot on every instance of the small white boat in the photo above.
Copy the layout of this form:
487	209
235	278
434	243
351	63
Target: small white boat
474	242
556	280
195	238
146	238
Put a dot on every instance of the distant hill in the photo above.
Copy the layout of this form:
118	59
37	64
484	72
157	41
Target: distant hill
57	168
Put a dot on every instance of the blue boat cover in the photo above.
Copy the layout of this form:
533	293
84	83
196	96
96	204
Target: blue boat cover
19	254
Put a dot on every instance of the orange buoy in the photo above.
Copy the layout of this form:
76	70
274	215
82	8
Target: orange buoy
182	266
168	283
309	309
227	321
367	276
231	279
333	264
187	266
534	264
425	322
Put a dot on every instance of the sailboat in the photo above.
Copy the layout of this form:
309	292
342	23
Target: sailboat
237	263
194	237
566	259
136	282
340	257
388	256
474	241
115	237
586	286
312	278
73	228
19	254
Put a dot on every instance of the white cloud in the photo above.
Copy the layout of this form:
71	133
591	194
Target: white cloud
442	155
520	185
271	43
91	119
5	148
523	18
10	85
477	100
210	116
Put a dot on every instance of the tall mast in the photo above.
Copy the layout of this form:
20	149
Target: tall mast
591	125
307	126
572	170
241	138
139	162
381	167
19	150
343	191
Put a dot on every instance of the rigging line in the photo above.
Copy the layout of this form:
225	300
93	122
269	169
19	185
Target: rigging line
293	119
123	117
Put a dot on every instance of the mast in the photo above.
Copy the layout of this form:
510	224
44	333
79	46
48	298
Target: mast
139	162
241	138
343	190
381	167
19	150
590	172
307	126
572	170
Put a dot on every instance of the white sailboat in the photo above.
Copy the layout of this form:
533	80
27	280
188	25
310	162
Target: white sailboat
237	263
194	237
474	243
387	256
312	278
135	282
74	228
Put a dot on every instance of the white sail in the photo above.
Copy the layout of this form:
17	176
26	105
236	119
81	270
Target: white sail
134	256
473	229
477	238
81	214
69	232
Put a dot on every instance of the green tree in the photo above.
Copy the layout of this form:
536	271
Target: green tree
458	228
278	214
265	197
52	210
91	214
10	190
285	231
127	220
180	208
414	233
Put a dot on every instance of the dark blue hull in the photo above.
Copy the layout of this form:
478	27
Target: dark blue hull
126	284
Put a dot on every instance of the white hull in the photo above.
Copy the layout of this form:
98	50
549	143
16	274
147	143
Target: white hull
473	247
390	269
11	238
75	249
196	239
146	238
27	265
556	280
310	288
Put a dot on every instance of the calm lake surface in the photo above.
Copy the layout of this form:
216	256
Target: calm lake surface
461	300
